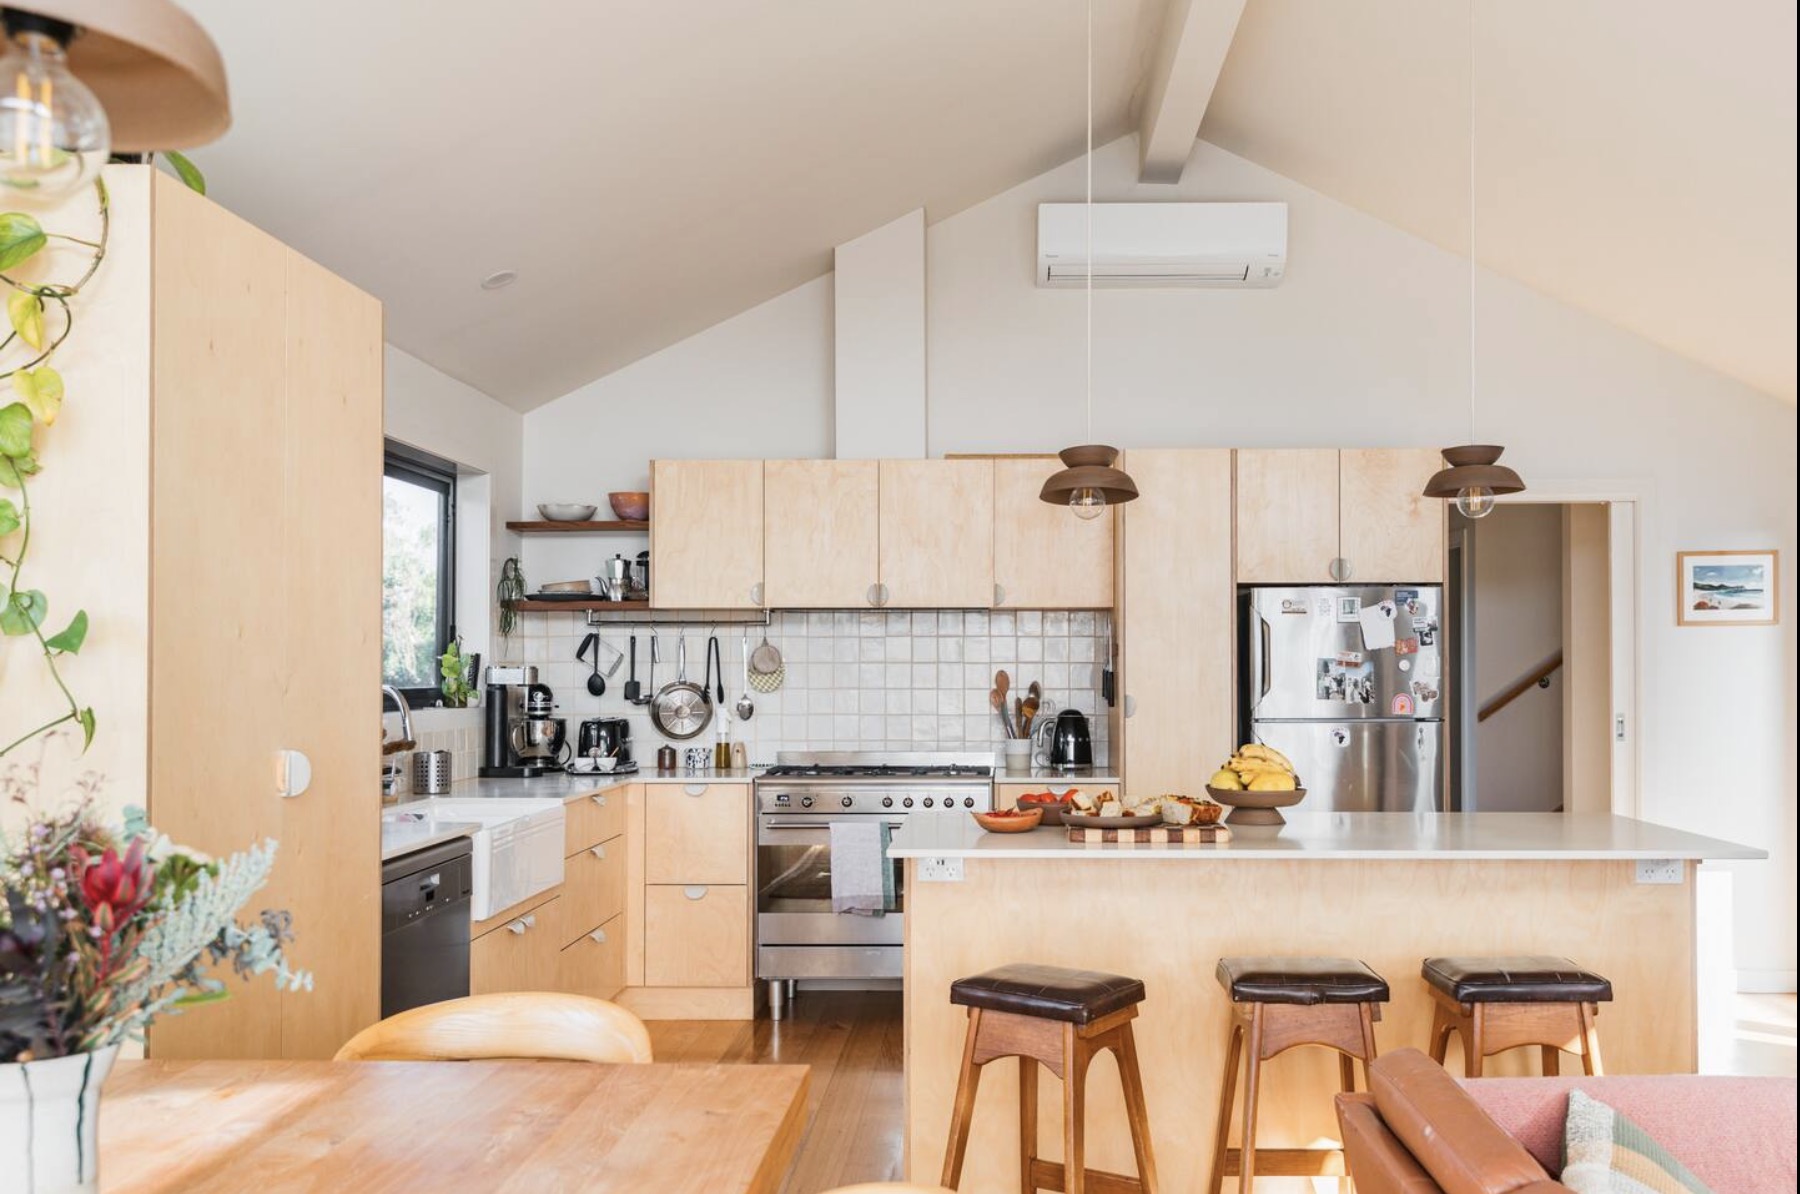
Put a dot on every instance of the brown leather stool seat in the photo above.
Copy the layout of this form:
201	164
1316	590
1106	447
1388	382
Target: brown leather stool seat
1305	981
1278	1003
1059	1019
1499	1003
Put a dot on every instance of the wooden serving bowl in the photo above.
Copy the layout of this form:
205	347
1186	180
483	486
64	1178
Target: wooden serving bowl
630	505
1256	808
1052	813
1030	819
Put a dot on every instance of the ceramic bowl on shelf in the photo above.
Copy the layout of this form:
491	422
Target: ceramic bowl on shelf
630	506
566	512
1256	808
1009	820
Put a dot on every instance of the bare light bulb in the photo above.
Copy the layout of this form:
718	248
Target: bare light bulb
1087	503
54	136
1475	502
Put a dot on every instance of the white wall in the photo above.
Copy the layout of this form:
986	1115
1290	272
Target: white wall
434	412
1365	343
879	279
1518	625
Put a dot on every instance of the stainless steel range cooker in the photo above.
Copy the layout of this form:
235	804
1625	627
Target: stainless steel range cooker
797	934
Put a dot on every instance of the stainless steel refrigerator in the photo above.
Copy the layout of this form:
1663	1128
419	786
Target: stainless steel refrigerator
1348	682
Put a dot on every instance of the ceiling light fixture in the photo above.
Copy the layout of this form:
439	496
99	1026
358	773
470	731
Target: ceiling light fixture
80	79
500	279
1088	483
1474	477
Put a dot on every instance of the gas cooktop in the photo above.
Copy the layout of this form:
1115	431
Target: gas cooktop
854	765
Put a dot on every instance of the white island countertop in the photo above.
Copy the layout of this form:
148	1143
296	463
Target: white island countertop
1392	837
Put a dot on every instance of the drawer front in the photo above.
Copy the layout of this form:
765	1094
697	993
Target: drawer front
522	954
697	833
696	936
591	819
593	887
594	963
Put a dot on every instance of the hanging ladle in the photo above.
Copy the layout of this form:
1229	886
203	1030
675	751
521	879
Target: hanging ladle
746	708
596	683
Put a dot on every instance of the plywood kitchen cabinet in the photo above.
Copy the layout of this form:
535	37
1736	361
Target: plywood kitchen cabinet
523	953
937	534
1044	556
697	833
821	533
593	887
594	963
1174	620
706	534
697	935
230	430
1324	516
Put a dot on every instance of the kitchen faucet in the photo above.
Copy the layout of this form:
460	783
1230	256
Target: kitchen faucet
390	772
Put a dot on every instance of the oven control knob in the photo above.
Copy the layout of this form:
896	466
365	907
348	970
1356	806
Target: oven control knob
887	802
906	802
847	801
806	802
928	802
968	802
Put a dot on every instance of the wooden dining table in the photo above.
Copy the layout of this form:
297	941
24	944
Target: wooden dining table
376	1126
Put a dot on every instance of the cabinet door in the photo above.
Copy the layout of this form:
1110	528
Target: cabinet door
1287	515
523	954
1391	531
1174	619
696	936
937	533
593	887
594	963
591	818
1044	556
697	833
706	527
821	532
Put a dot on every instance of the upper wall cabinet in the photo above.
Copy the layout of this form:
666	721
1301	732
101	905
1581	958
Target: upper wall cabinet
937	534
821	533
1044	556
706	534
1321	516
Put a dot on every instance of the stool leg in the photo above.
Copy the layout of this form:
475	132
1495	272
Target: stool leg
1442	1025
964	1108
1474	1044
1028	1122
1346	1073
1135	1111
1366	1014
1074	1113
1252	1072
1590	1041
1552	1060
1234	1052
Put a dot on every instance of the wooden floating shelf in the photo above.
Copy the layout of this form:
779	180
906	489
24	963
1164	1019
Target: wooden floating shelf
528	606
576	528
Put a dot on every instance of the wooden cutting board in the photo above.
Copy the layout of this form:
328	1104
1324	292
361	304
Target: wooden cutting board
1155	835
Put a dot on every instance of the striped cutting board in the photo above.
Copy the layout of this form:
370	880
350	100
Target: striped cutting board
1155	835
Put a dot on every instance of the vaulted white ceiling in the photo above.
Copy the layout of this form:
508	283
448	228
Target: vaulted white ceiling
650	167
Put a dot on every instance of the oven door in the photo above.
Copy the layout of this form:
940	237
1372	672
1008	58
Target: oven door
793	888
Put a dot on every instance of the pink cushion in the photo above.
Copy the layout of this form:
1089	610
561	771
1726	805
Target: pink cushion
1736	1134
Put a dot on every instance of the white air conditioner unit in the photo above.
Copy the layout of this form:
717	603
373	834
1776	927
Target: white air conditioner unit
1163	244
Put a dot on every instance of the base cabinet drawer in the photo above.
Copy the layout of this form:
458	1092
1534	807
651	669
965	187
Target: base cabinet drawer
697	833
593	887
591	819
696	936
521	954
594	963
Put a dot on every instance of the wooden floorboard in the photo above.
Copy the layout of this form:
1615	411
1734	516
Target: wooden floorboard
852	1041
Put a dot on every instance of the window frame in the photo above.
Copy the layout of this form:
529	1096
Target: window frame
405	463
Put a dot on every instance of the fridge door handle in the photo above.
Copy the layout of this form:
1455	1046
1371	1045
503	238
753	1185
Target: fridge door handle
1265	680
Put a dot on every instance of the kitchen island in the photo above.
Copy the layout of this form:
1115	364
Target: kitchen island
1388	888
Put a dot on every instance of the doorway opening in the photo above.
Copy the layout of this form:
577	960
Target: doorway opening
1542	600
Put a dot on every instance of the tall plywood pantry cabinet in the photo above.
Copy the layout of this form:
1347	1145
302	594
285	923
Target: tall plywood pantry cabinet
224	412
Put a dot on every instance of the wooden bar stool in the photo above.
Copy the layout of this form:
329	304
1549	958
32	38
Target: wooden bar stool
1046	1015
1497	1004
1278	1003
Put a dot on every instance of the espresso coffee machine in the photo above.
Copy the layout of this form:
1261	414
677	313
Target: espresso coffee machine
522	739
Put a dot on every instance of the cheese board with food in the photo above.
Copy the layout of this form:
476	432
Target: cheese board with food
1154	835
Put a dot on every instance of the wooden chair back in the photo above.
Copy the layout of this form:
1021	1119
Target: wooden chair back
890	1188
523	1024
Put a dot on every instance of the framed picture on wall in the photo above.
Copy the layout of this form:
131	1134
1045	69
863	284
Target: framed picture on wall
1727	588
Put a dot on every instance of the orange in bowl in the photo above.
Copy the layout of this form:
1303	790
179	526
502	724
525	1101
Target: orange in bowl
1009	820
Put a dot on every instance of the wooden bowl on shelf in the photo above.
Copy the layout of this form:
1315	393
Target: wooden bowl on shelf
1256	808
630	506
1010	820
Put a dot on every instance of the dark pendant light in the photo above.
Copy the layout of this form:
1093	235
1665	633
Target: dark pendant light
1474	477
1088	483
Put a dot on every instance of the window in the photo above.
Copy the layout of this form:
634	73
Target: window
418	598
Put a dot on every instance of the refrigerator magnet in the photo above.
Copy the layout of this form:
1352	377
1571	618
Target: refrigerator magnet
1401	705
1349	608
1322	608
1408	600
1406	646
1404	665
1377	625
1293	605
1340	737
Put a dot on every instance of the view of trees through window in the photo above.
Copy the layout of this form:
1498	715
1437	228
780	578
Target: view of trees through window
414	593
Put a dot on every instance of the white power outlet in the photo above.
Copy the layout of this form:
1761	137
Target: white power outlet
940	870
1660	870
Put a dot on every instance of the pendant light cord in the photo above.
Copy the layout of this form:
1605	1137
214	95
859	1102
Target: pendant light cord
1473	265
1088	211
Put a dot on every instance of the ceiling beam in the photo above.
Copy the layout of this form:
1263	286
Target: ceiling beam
1196	35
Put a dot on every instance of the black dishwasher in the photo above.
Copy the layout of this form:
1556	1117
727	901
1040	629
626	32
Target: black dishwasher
425	926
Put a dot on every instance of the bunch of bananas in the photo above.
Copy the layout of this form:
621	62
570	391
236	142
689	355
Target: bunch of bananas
1256	768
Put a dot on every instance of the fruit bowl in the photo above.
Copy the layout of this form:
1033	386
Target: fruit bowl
1256	808
1010	820
1052	810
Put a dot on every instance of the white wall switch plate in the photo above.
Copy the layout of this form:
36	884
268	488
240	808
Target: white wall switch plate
1660	870
940	870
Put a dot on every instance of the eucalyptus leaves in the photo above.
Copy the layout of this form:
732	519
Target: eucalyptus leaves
41	319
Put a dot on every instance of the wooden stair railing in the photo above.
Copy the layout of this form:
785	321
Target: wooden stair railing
1539	675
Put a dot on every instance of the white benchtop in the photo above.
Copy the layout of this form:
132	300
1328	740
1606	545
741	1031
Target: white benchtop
1388	837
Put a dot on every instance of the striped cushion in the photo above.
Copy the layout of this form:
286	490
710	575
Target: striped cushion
1605	1153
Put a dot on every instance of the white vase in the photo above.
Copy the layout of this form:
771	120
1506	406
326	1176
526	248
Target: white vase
49	1120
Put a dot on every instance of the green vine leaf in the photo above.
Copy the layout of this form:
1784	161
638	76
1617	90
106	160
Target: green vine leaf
26	311
13	470
24	612
70	640
15	432
9	518
86	718
42	391
20	238
185	170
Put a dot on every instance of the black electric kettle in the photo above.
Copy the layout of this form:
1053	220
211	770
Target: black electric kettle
1064	743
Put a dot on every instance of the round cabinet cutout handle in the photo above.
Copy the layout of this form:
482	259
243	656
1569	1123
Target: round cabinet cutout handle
597	851
598	936
694	893
999	594
599	799
873	596
756	593
694	789
1340	569
293	773
1130	705
886	593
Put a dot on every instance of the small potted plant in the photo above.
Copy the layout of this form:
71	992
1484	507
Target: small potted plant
103	930
457	687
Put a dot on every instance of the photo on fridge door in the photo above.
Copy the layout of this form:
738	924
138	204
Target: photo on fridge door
1346	677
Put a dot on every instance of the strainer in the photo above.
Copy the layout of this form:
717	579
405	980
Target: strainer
766	669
